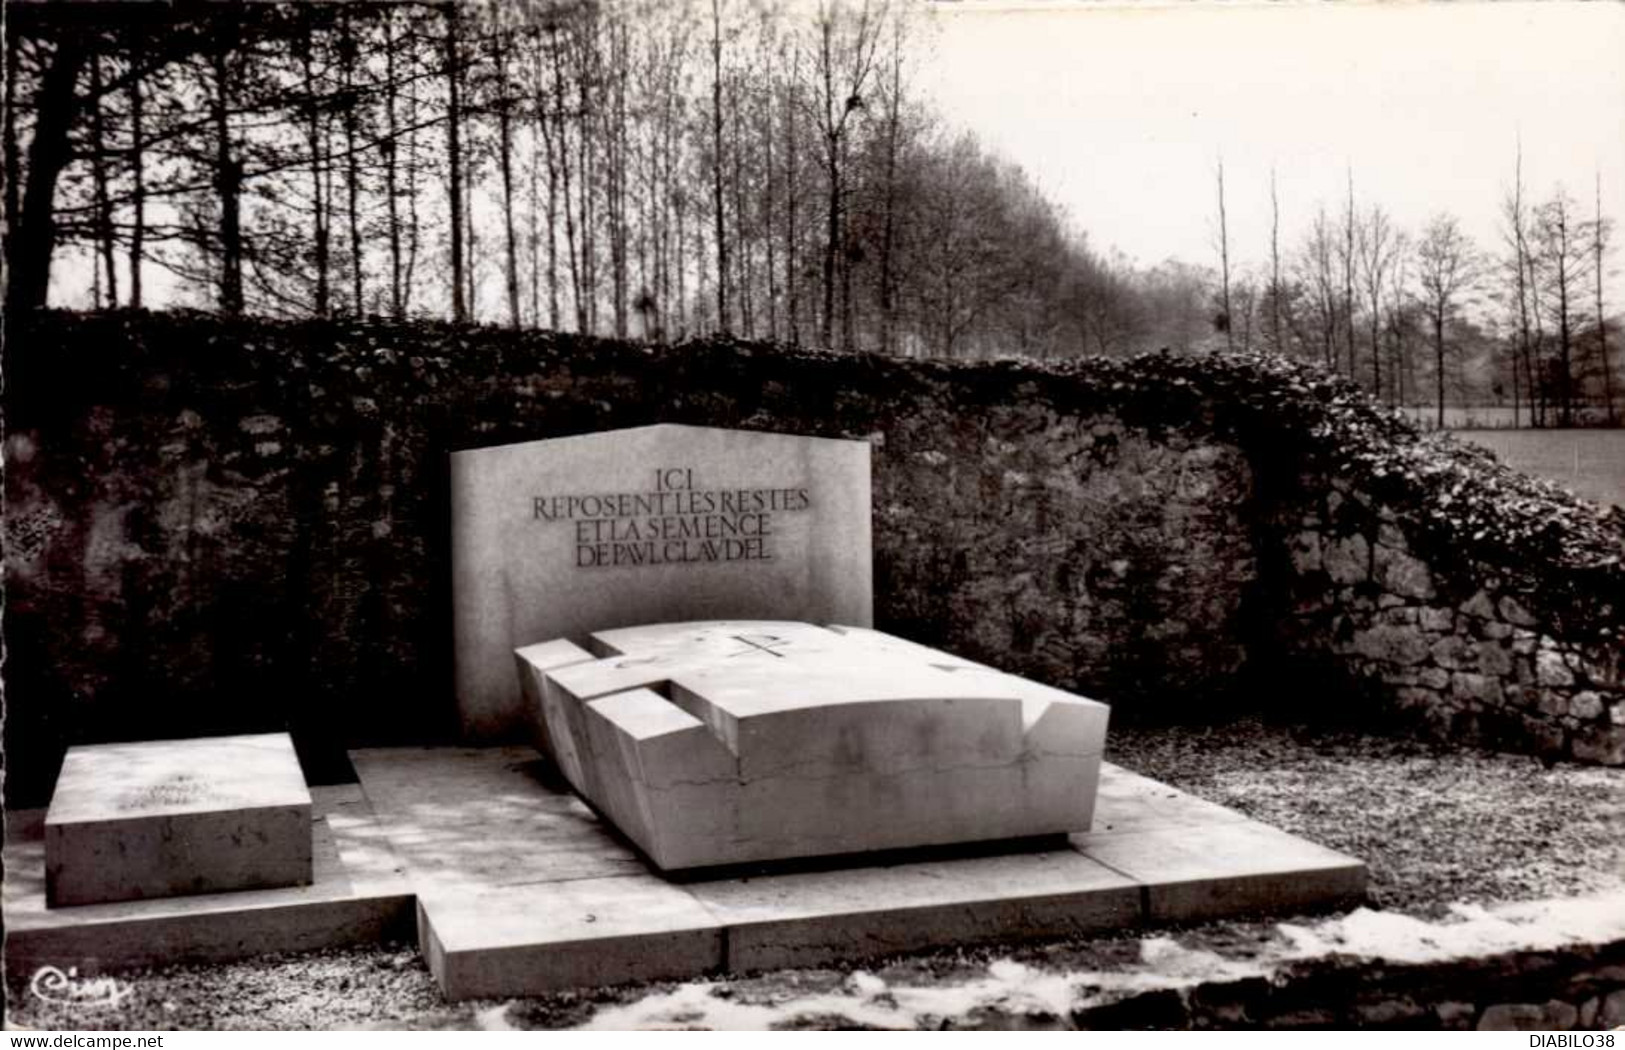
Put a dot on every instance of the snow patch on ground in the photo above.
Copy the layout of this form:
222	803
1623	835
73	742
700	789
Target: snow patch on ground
1012	988
1470	931
1007	987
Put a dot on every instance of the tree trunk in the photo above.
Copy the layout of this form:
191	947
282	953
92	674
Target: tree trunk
1348	276
742	252
1515	385
1539	385
413	228
397	301
505	159
535	195
56	110
454	160
844	260
544	129
1565	379
620	53
1224	266
13	158
313	136
1598	247
1275	265
772	261
832	238
228	174
572	256
352	175
888	293
716	165
1438	362
104	209
792	283
138	163
588	183
832	142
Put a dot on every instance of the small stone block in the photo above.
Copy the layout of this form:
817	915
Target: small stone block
175	817
533	938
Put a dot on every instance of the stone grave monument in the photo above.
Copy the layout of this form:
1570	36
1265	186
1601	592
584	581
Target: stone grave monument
664	589
722	742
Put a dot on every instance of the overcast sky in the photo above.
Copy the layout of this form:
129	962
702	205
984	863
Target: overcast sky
1120	112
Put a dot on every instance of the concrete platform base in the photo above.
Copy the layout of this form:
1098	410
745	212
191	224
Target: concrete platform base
358	895
522	889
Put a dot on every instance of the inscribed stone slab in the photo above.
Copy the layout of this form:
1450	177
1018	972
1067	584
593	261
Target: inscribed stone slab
562	537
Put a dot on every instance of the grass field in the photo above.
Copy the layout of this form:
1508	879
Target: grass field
1491	417
1589	463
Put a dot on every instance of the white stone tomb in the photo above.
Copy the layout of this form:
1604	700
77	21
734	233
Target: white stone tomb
723	742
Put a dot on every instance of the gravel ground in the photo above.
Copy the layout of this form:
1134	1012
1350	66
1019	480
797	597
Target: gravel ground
1435	827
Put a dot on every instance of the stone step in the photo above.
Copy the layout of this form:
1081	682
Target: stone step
358	895
524	890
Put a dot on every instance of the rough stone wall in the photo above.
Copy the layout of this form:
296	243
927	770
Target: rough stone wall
217	526
1470	655
1078	550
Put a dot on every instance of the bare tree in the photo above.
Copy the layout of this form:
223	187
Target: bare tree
1349	233
314	143
502	46
454	157
228	170
392	150
716	165
1275	264
1562	250
1515	227
847	44
348	60
34	231
1445	269
1601	229
1401	321
1377	243
1224	263
888	237
99	172
1318	269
